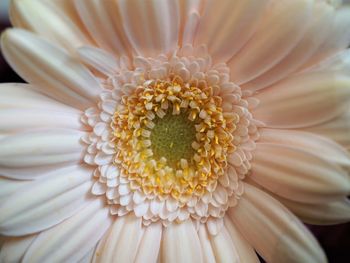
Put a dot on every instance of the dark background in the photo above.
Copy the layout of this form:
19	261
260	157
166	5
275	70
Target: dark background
335	240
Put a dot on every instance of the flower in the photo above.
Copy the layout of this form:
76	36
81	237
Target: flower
174	131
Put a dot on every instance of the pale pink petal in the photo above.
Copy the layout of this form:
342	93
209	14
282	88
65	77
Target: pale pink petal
42	18
102	20
180	243
207	250
46	202
317	30
280	30
304	100
275	233
14	248
50	68
227	26
190	15
152	27
297	174
74	237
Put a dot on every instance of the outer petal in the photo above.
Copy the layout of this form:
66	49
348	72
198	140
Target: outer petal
204	238
42	18
14	248
227	26
298	175
74	237
47	202
152	27
280	30
304	100
51	68
276	234
317	30
8	187
180	243
102	20
41	147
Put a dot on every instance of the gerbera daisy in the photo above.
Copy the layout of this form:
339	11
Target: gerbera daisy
174	131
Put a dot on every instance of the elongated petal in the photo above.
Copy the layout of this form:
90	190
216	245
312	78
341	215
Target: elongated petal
317	30
102	20
50	68
122	245
304	100
152	27
180	243
280	30
8	187
207	250
275	233
14	248
298	175
46	202
74	237
41	147
312	143
244	250
40	17
225	34
149	247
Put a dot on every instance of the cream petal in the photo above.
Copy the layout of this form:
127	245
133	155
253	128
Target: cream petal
225	34
102	20
189	11
13	120
317	30
46	202
180	243
42	18
304	100
8	187
312	143
149	246
88	257
99	60
123	240
280	30
50	67
326	213
223	247
244	250
337	39
208	254
14	248
151	27
275	233
298	175
41	147
337	129
74	237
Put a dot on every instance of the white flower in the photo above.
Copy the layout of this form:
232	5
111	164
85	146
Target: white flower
174	131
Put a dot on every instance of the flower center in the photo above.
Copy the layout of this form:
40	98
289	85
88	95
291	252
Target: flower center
172	138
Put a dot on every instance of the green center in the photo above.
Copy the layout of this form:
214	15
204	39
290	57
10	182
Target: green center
172	137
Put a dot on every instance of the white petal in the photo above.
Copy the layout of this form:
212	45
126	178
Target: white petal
317	30
44	19
304	100
123	240
151	27
226	33
74	237
298	175
244	250
208	254
46	202
326	213
102	20
42	147
180	243
56	72
14	248
150	244
275	233
8	187
280	30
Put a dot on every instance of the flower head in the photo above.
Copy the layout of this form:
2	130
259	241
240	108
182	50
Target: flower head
174	131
